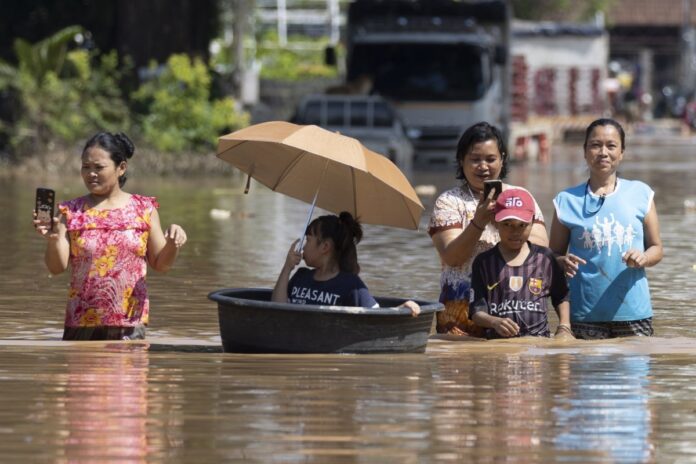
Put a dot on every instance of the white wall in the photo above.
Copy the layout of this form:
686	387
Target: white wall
562	53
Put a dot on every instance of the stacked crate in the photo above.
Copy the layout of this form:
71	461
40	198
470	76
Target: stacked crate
519	109
545	92
573	78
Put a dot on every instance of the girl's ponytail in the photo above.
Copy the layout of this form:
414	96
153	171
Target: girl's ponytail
345	232
351	234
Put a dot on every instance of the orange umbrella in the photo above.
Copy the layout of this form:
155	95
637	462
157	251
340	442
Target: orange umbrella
335	172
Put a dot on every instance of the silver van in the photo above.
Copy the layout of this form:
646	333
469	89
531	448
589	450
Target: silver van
368	118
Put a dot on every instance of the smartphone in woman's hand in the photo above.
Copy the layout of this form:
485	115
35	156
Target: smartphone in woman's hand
492	184
45	205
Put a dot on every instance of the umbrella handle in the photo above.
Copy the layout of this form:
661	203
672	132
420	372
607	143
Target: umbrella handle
246	189
298	248
311	210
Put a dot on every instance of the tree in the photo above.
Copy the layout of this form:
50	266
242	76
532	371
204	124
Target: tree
56	94
143	29
558	10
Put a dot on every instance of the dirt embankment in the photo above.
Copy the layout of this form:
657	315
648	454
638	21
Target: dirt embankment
144	162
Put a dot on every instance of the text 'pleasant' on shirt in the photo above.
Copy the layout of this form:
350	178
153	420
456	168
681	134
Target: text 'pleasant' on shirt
345	289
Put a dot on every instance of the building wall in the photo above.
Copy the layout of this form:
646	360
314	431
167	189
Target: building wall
564	51
561	75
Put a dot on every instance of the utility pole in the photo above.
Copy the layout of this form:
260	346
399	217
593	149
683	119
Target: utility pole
245	73
240	11
282	18
334	17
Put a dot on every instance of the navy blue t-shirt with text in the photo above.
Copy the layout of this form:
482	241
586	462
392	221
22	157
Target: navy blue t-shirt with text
345	289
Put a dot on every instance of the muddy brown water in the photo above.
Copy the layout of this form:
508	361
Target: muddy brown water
177	398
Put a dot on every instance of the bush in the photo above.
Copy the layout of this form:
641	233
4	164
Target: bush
178	113
61	95
301	59
89	100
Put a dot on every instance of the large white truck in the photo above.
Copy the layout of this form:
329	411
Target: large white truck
443	64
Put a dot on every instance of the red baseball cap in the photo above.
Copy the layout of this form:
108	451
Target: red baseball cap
515	203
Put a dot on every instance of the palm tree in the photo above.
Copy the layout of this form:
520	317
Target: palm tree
37	60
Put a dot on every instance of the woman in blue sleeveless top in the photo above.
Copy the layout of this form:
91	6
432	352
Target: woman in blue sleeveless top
606	232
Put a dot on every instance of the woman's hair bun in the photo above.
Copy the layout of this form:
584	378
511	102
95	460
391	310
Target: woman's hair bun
128	147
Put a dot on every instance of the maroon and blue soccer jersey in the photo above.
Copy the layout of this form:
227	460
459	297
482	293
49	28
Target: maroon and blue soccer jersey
520	292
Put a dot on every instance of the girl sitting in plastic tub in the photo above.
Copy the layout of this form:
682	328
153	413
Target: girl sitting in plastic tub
333	278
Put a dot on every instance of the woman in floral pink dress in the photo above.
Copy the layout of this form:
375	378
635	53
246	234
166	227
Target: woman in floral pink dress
108	237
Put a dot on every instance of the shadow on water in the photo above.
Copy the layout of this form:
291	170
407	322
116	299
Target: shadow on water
151	345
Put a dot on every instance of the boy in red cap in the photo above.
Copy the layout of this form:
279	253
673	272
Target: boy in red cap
511	283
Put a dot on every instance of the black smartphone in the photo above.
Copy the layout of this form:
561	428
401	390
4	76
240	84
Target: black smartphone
493	184
45	205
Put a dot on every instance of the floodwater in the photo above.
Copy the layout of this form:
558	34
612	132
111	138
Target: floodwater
178	398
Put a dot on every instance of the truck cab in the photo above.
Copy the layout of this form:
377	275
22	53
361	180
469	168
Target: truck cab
441	63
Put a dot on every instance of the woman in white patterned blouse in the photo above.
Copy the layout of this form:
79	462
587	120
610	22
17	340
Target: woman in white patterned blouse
461	223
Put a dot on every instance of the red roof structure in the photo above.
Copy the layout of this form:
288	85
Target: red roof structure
648	13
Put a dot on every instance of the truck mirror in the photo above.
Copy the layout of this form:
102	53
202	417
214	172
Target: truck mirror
500	54
330	56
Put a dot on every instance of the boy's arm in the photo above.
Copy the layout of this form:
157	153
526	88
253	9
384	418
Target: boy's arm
478	306
502	325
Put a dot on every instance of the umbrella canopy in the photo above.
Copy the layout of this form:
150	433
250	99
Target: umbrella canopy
304	161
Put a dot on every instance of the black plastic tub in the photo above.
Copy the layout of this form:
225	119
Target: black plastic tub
251	323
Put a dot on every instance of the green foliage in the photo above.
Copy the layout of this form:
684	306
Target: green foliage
62	95
178	112
47	55
559	10
300	59
594	6
38	60
89	100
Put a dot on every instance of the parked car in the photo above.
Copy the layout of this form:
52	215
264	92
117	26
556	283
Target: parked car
368	118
